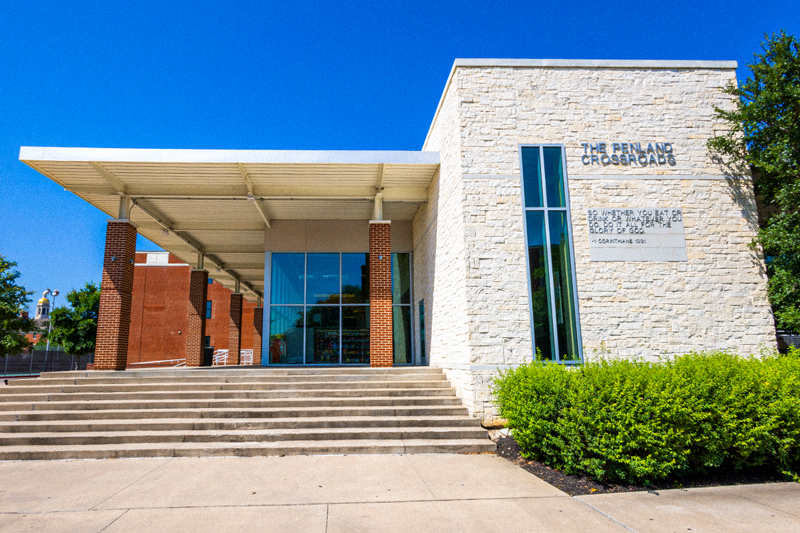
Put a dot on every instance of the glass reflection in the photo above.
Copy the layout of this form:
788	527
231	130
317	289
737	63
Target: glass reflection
401	278
355	334
401	334
566	325
532	176
322	279
554	177
355	278
540	284
286	335
287	278
322	335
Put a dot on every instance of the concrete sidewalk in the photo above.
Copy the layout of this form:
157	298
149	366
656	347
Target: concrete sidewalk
442	493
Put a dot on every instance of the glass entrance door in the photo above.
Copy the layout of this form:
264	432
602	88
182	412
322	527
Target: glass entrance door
318	308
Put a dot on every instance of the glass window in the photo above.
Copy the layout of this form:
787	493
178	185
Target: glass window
319	308
355	334
401	334
208	308
401	278
355	278
539	284
288	276
532	174
322	279
554	177
553	300
566	325
422	346
286	335
322	335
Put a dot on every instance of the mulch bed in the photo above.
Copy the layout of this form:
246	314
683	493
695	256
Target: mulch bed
508	448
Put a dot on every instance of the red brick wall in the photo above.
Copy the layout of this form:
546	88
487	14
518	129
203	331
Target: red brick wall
114	318
380	295
196	321
160	311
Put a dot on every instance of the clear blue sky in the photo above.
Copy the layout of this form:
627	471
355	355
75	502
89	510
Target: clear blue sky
282	75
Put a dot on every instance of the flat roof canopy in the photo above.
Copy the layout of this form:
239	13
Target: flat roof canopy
219	202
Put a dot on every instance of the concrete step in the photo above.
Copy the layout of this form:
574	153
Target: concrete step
238	435
202	424
248	449
254	370
235	411
168	386
235	403
263	412
224	395
252	378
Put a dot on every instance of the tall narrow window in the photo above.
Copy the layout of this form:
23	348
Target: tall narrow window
422	332
401	308
551	265
208	308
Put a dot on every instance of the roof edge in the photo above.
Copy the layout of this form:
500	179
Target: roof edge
135	155
597	63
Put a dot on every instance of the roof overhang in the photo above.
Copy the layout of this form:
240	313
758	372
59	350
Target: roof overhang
218	203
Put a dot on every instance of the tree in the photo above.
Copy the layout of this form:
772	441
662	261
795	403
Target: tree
75	328
14	323
764	135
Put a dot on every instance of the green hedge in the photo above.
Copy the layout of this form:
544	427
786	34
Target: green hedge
640	422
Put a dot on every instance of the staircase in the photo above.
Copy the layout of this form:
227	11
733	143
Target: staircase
235	411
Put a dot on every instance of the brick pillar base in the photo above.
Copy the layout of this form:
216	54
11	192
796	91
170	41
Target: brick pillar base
381	351
114	316
196	327
235	336
258	327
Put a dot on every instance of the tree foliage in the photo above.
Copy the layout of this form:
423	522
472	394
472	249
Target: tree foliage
13	301
764	134
75	328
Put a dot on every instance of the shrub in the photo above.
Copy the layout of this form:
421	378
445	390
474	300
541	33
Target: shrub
639	422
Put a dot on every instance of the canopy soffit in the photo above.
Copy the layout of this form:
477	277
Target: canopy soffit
219	202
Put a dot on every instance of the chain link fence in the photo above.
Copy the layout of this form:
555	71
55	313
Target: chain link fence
41	360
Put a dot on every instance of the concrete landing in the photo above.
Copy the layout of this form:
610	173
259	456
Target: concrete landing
332	494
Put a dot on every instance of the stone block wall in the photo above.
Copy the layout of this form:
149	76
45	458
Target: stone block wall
716	299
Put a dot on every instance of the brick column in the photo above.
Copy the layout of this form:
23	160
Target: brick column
114	316
235	336
196	326
381	351
258	327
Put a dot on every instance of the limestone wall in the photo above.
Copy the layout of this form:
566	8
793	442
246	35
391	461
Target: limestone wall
716	299
439	255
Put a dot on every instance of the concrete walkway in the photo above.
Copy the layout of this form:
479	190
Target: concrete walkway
386	493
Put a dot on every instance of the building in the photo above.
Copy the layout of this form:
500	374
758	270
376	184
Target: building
567	208
159	318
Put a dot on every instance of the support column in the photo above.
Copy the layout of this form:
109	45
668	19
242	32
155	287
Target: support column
114	316
235	336
196	328
258	327
381	350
